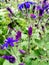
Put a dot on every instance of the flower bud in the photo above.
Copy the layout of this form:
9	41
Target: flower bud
30	31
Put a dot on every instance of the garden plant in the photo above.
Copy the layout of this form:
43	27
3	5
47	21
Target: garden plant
24	32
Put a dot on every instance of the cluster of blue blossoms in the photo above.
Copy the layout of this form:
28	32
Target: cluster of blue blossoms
44	6
10	42
25	5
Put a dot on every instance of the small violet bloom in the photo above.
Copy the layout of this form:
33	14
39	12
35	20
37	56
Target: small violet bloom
9	41
30	31
33	16
18	35
22	51
10	58
38	7
9	9
46	6
27	5
21	6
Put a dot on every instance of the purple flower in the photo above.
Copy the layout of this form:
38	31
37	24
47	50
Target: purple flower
22	51
20	6
46	6
38	7
33	16
18	35
9	41
30	31
41	11
9	9
5	45
21	63
10	58
25	4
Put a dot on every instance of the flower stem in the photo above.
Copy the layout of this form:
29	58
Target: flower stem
29	45
14	53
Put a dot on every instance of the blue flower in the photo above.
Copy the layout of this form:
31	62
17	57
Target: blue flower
25	5
5	45
10	58
29	3
9	41
20	6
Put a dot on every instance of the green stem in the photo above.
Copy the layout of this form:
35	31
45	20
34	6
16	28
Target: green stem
29	45
14	53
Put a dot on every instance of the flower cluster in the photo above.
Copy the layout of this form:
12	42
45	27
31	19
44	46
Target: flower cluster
25	5
44	6
10	42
